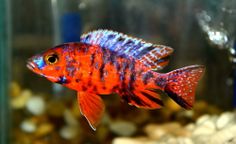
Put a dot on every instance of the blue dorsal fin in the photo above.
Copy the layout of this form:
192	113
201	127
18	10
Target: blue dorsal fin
150	54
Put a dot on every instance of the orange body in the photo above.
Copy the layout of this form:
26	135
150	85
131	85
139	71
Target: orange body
102	72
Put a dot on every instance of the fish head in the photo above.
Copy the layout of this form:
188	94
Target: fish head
50	64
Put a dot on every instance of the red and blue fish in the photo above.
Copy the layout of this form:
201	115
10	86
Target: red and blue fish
106	62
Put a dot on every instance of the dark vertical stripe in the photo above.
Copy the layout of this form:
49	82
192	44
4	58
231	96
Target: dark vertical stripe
96	65
122	74
131	81
109	57
117	66
124	66
104	61
112	57
137	100
153	99
177	98
92	59
101	71
147	76
130	98
132	76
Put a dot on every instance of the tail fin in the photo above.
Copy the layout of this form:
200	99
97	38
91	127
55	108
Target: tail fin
181	84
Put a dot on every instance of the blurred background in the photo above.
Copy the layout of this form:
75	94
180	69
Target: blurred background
35	111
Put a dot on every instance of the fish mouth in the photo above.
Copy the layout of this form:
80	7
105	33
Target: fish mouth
31	65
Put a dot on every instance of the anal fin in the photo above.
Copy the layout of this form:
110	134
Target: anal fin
143	99
91	107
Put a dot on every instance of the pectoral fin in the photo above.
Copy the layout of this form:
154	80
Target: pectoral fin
92	107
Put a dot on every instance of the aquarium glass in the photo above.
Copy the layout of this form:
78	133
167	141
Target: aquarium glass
34	110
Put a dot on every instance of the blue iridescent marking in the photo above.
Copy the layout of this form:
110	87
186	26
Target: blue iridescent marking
39	62
112	42
103	40
62	80
70	70
117	42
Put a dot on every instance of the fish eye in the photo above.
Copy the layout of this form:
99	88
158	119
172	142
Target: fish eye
52	58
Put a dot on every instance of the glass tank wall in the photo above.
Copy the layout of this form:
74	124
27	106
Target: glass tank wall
5	59
36	111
